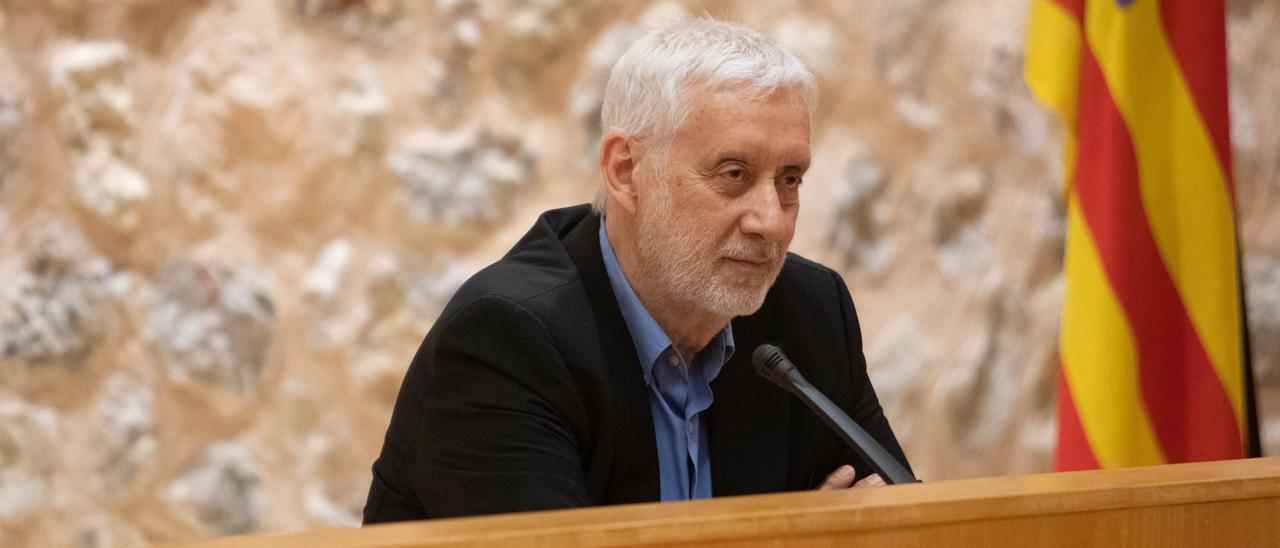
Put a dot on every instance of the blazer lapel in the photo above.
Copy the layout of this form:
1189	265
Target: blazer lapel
634	474
748	422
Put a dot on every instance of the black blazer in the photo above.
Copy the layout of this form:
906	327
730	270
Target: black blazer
527	393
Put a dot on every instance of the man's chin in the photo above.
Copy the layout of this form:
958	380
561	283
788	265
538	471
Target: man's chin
741	300
727	293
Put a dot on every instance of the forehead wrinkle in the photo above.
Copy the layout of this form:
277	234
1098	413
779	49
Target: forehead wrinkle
736	154
720	127
761	155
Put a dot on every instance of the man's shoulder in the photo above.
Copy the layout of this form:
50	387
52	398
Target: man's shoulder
512	279
803	271
805	286
534	270
802	264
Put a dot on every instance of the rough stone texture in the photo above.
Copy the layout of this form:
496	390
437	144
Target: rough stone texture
895	361
366	106
374	21
100	531
1262	279
53	312
814	40
226	226
211	324
537	30
224	490
97	114
997	81
977	381
448	74
127	434
12	112
861	215
324	277
905	50
28	454
958	203
469	177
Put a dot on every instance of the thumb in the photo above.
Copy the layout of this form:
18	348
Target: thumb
842	478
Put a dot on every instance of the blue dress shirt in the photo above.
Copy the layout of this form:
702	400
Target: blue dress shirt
678	393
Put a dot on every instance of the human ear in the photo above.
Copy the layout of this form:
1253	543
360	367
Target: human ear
618	165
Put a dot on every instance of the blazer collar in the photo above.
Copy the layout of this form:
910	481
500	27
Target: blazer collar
634	477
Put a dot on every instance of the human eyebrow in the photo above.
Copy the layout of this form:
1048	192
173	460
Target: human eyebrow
719	163
732	156
802	167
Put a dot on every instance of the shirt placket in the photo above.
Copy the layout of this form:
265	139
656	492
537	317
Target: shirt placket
699	400
674	386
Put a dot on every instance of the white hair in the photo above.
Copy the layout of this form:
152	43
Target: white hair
645	97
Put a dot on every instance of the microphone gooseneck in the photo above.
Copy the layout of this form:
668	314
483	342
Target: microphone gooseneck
772	364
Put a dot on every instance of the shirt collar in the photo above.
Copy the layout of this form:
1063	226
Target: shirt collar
650	340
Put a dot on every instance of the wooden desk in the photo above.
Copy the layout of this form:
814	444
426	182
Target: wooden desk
1228	503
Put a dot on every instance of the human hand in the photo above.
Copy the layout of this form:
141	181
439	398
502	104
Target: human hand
842	478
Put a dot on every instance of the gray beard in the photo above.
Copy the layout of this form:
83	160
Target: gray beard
685	276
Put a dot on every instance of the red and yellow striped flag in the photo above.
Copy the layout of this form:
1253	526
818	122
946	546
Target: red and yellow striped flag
1153	368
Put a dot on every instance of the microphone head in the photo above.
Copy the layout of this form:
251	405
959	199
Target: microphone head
765	356
772	364
766	359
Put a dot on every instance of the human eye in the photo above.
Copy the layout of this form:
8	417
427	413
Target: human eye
791	178
734	173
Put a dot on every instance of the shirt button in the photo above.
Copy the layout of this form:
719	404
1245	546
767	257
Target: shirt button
673	360
692	428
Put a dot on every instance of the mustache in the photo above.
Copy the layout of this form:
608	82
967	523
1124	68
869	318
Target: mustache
752	250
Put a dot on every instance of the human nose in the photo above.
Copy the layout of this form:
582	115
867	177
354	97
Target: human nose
763	215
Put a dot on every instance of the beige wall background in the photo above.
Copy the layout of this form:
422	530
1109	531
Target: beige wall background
225	226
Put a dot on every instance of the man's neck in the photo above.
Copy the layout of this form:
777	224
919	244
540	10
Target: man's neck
689	329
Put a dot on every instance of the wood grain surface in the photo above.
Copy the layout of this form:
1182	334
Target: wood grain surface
1227	503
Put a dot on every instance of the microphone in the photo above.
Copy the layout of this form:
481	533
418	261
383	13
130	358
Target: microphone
772	364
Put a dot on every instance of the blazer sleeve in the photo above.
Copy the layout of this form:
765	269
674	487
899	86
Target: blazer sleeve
502	419
866	410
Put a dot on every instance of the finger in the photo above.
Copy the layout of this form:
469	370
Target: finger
842	478
874	480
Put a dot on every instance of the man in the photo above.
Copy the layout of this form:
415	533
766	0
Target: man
606	358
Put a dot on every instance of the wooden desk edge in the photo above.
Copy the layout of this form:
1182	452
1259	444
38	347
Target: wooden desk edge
730	518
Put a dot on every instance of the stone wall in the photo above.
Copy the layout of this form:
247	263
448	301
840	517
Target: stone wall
225	226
